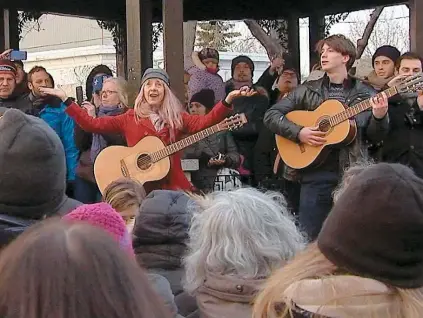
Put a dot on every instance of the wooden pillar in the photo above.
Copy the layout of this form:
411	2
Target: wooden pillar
139	47
316	33
3	31
173	23
9	34
121	56
416	26
294	41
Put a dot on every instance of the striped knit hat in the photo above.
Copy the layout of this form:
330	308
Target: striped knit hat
102	215
7	66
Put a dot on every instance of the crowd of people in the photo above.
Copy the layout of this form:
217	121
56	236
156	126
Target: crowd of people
341	239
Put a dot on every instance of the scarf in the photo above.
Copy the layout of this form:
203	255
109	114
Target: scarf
99	143
377	82
157	122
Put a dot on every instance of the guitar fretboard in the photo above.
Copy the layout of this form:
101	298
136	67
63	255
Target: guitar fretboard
186	142
358	108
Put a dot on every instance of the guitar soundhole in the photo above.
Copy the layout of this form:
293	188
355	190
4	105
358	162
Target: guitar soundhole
144	161
324	125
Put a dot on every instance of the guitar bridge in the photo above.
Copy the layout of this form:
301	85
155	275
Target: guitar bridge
124	169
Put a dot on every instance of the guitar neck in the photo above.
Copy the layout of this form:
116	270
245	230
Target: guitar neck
352	111
184	143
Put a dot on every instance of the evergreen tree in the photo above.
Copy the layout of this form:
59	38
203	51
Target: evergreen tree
216	34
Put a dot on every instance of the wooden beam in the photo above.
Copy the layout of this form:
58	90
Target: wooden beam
316	33
416	26
294	41
139	50
2	31
173	22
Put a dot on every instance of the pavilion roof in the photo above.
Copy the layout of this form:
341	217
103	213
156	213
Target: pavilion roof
204	9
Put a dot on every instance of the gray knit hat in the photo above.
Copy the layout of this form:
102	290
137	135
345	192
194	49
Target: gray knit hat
155	73
32	168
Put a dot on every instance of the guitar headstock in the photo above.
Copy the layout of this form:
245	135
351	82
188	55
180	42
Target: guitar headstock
411	84
234	122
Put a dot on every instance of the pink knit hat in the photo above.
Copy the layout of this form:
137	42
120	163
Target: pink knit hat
102	215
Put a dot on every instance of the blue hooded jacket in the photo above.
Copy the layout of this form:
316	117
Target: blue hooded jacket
63	125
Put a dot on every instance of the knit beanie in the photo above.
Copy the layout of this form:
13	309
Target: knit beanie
242	59
103	216
205	97
388	51
208	53
8	67
155	73
375	228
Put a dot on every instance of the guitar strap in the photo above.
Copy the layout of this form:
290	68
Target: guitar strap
276	164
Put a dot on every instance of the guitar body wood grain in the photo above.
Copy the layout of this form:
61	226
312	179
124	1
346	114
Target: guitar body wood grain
117	162
300	156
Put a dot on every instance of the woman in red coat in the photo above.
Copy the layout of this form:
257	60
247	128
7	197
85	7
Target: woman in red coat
157	112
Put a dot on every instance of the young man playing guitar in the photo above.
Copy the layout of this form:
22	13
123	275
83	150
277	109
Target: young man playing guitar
337	55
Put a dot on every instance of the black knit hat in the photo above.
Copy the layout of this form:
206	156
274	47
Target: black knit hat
386	50
208	53
375	228
242	59
205	97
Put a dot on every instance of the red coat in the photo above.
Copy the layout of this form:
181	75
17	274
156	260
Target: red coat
133	131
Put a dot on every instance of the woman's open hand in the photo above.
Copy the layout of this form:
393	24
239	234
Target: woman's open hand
243	91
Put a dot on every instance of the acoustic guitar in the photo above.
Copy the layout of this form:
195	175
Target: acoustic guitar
149	159
337	121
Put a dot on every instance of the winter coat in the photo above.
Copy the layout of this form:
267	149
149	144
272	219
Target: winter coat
63	125
20	102
160	233
308	97
134	131
162	288
404	142
227	296
83	141
254	108
202	79
223	143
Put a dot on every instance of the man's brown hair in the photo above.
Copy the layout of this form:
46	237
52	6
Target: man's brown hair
36	69
340	44
407	56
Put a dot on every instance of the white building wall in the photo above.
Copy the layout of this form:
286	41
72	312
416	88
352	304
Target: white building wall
69	47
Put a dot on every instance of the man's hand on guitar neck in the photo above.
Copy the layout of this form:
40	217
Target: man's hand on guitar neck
379	105
312	136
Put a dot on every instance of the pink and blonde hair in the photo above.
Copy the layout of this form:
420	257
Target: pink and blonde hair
170	111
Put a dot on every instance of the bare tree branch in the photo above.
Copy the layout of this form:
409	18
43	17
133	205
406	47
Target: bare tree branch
273	48
364	40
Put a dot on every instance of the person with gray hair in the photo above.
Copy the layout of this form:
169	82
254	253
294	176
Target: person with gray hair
236	240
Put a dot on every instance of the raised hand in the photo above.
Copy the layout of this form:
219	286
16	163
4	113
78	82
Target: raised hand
243	91
379	105
54	92
90	108
5	55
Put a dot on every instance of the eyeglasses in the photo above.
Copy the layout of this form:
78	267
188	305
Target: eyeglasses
107	93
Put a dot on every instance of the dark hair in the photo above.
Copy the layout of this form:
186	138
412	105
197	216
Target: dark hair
99	69
36	69
407	56
59	269
340	44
